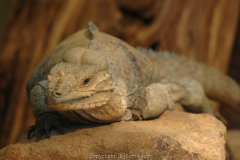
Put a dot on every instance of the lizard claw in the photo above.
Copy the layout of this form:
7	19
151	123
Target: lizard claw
44	123
31	129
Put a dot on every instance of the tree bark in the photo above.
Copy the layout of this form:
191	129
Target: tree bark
204	30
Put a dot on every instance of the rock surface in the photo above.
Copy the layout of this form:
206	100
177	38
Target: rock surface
175	135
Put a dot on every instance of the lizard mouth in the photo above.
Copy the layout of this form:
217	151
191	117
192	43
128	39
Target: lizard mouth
82	103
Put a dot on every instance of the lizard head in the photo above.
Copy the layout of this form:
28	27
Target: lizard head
80	81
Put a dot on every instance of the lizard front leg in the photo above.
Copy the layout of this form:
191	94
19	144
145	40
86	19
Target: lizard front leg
45	117
157	100
190	94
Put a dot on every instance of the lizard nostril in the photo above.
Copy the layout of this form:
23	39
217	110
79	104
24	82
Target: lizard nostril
57	94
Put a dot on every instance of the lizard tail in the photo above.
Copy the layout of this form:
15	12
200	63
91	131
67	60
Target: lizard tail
221	87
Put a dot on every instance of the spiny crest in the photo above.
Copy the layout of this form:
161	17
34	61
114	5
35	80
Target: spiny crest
167	54
179	59
150	51
91	27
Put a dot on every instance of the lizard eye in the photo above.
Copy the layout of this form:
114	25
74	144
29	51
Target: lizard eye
86	81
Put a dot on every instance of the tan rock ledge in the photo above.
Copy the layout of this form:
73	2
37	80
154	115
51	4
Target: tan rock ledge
175	135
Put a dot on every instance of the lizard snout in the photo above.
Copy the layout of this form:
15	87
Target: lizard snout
60	84
58	91
57	94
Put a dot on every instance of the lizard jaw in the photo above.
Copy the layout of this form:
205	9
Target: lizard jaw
94	101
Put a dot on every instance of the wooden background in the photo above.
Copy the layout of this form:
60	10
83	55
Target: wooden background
206	30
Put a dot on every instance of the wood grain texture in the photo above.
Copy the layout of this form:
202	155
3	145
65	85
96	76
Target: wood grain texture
203	30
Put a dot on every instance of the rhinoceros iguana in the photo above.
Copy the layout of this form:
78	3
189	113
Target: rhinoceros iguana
92	77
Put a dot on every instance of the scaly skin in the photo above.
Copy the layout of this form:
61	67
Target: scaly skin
92	77
216	84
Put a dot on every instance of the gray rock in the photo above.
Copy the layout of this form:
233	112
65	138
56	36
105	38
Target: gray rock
175	135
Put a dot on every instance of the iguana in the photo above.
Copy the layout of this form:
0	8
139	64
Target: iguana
92	77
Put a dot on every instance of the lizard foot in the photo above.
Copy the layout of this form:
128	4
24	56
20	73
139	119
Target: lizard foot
45	123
